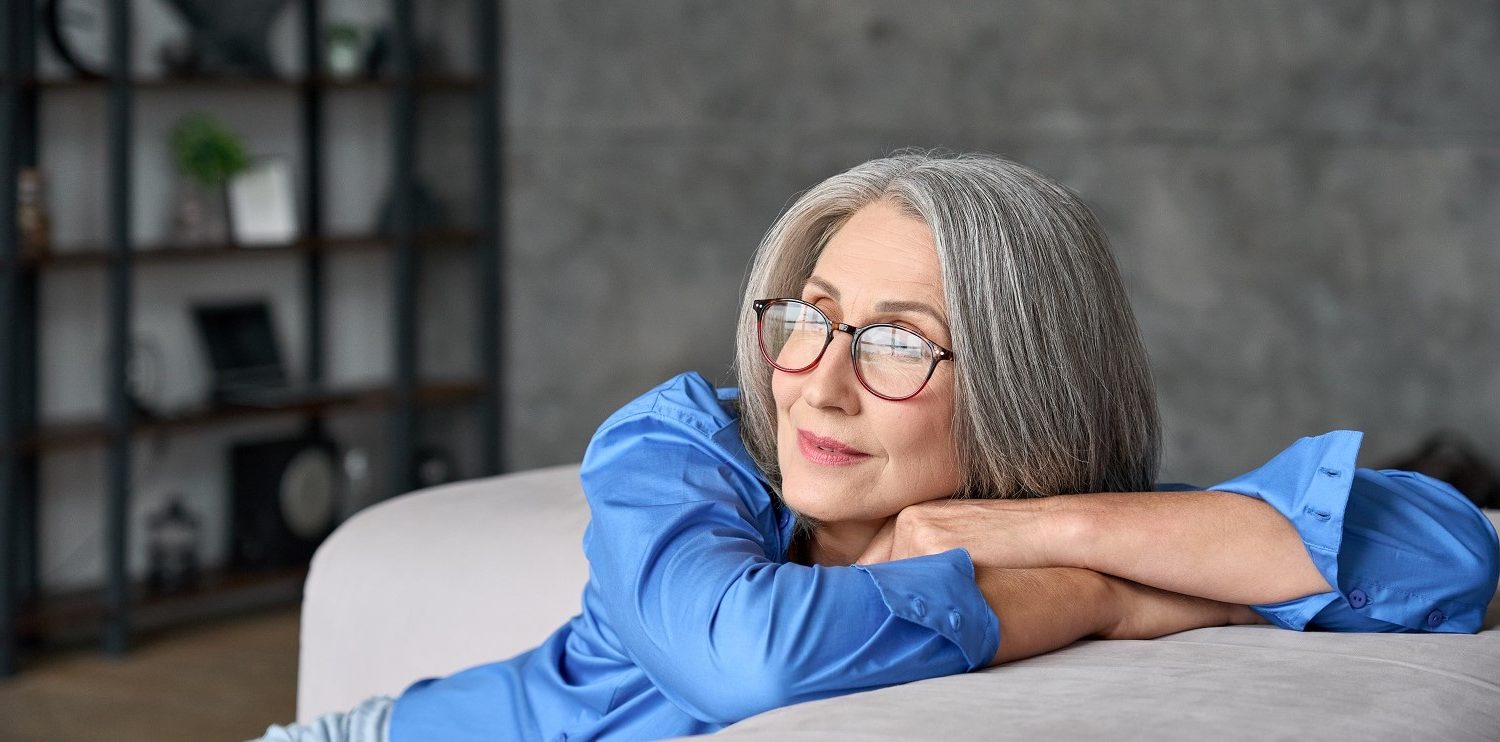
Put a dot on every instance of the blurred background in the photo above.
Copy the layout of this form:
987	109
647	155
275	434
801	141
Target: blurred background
378	245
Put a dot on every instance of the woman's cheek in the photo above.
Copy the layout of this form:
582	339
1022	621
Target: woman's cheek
927	468
801	499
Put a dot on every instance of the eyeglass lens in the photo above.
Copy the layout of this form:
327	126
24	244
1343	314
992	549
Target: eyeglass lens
891	361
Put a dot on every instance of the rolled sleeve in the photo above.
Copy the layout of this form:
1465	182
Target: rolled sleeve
938	591
1405	552
1308	483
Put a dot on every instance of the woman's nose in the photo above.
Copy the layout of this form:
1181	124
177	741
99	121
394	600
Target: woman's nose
832	382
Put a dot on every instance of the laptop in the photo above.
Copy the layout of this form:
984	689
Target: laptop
246	359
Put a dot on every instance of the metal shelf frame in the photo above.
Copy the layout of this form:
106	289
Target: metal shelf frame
19	140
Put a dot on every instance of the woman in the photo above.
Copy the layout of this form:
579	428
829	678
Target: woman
931	348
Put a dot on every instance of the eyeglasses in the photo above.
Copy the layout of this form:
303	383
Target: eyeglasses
891	361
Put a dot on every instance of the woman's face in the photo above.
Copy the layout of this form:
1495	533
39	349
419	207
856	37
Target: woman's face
905	449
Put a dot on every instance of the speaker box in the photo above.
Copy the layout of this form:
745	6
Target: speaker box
283	501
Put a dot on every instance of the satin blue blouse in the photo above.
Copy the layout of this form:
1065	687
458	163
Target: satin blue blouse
692	618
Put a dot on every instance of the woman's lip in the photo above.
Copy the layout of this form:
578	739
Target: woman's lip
829	451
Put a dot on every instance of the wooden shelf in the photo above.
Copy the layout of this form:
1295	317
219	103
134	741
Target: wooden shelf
422	83
220	592
94	432
94	255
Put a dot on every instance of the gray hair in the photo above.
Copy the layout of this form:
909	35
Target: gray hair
1053	392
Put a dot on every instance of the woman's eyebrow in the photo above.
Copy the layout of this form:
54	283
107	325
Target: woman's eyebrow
911	306
827	287
884	306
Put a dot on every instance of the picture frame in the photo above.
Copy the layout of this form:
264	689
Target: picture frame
262	206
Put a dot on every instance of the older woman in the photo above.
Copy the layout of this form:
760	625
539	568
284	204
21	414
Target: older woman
932	348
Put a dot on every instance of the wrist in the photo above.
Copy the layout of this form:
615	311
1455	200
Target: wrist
1111	604
1067	531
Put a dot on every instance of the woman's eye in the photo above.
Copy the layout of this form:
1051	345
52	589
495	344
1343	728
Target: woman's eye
908	326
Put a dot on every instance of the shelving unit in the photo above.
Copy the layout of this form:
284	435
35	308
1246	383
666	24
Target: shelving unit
86	256
121	605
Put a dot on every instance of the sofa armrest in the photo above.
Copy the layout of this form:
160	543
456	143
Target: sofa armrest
439	580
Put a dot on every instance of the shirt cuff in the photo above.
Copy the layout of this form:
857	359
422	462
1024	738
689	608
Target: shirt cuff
1308	483
1417	556
938	591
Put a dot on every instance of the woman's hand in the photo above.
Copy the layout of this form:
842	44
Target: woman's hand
1009	534
1145	612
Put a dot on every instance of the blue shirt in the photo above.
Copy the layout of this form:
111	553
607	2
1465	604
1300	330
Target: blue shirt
692	618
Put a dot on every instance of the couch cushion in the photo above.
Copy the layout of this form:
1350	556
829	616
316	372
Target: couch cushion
1226	683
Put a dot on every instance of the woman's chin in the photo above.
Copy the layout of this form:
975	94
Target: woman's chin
822	506
813	511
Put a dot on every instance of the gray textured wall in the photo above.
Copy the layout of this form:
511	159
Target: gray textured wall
1302	196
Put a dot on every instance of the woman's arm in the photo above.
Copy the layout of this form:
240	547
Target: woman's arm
1041	610
1257	539
1214	545
1307	539
1045	609
1146	612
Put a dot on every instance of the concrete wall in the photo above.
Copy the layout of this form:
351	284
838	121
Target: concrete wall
1302	196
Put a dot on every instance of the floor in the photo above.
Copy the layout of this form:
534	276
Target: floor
226	680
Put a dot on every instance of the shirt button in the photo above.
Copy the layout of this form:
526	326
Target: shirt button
1434	618
918	607
1357	598
955	620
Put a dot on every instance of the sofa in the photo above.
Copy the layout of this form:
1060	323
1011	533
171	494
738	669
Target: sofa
442	579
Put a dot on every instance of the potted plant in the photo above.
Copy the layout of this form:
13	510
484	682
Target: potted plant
207	154
345	50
